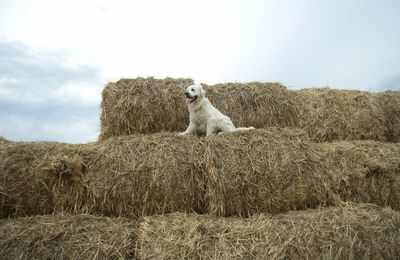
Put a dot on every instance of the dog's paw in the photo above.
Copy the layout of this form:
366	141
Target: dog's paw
251	128
182	134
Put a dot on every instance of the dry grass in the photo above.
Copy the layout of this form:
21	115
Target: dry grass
143	106
271	170
64	236
275	172
390	102
3	140
349	231
146	174
154	105
369	170
330	114
254	104
264	171
40	178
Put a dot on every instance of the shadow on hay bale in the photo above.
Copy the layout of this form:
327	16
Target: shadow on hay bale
349	231
40	178
65	236
148	105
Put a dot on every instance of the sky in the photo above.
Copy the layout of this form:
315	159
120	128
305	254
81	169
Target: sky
56	56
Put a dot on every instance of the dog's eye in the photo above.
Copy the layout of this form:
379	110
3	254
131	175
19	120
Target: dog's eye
192	89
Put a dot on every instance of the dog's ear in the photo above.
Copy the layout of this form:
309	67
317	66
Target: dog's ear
202	91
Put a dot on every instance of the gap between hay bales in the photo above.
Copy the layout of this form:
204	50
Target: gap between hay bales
236	174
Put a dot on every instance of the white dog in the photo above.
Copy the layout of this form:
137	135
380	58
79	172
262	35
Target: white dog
204	117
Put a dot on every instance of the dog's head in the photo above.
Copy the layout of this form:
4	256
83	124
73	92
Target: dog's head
194	93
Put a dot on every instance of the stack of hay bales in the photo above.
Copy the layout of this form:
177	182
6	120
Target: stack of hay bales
239	174
275	192
355	231
150	105
344	232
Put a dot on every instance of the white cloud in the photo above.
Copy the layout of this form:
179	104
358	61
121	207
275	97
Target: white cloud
26	128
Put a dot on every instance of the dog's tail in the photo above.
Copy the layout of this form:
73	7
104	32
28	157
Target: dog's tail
244	128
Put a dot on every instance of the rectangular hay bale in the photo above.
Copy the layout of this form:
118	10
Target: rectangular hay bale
41	178
270	171
155	105
369	170
146	174
332	114
264	171
148	105
143	105
64	236
348	231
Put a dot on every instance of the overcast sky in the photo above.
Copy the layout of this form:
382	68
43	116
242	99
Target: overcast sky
56	56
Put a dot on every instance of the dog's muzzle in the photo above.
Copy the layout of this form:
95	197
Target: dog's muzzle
190	99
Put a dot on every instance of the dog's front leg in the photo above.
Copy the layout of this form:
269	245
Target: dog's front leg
190	130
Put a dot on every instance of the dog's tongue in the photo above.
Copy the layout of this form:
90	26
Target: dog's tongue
188	101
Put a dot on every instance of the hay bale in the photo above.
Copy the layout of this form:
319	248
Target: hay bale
264	171
3	140
255	104
148	105
270	171
143	105
390	102
146	174
40	178
330	114
154	105
267	170
64	236
347	232
369	170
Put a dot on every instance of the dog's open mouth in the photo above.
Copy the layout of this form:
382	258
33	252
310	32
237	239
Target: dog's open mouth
190	100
